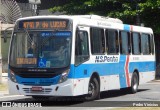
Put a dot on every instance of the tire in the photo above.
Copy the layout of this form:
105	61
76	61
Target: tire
93	90
134	83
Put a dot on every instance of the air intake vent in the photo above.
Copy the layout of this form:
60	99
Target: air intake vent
44	91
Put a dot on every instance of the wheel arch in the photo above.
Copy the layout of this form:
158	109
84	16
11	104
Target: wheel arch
96	75
96	92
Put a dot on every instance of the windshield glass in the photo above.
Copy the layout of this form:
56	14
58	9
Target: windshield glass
40	49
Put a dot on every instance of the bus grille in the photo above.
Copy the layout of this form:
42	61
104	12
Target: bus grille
36	75
39	83
44	91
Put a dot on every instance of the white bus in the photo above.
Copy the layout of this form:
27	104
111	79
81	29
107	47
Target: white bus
78	55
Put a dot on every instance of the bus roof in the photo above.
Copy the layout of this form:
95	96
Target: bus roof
96	21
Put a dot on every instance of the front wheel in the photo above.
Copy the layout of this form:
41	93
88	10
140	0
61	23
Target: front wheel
93	90
134	83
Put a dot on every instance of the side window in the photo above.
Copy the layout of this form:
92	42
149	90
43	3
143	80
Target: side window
145	44
97	41
136	42
112	41
124	42
81	47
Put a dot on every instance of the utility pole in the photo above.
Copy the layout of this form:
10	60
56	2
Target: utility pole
137	15
35	4
0	46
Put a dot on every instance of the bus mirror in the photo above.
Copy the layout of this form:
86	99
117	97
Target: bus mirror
5	33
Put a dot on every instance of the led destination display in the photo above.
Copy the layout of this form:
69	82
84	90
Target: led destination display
44	24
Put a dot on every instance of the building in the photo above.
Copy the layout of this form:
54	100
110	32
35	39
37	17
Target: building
10	11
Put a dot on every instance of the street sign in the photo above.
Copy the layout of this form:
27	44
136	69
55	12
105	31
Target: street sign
36	2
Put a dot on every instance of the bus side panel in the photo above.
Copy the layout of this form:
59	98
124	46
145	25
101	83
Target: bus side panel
106	72
123	66
114	82
145	65
79	86
146	76
105	66
81	79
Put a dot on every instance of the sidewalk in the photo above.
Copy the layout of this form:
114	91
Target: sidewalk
4	85
3	89
2	93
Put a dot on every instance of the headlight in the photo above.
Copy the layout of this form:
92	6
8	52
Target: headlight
12	76
64	76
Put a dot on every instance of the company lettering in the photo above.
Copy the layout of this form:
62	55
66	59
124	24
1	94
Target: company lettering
100	59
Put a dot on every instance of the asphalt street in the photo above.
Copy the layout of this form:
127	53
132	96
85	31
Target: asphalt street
147	94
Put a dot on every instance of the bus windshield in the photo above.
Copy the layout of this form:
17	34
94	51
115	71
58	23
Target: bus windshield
40	49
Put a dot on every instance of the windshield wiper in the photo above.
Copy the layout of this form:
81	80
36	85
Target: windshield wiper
26	31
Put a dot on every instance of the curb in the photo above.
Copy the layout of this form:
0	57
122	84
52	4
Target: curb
155	81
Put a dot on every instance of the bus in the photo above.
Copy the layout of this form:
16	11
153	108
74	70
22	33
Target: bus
78	55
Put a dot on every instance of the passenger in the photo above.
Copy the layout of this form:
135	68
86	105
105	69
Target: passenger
32	48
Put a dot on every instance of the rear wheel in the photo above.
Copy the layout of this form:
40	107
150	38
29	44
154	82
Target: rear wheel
93	90
134	83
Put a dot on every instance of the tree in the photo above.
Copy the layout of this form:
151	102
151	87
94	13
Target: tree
129	11
10	11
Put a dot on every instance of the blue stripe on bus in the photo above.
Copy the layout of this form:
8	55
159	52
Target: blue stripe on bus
142	66
126	27
38	81
122	77
85	71
110	68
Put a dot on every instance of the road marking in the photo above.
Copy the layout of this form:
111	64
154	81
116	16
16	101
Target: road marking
11	96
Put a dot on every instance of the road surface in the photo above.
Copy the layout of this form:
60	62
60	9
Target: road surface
147	95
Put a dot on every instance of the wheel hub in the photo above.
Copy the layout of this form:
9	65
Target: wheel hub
91	89
135	85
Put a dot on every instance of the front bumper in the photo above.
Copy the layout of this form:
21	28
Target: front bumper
62	89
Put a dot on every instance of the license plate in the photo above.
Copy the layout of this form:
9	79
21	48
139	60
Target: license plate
36	88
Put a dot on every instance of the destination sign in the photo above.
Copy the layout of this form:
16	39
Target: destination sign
26	61
44	24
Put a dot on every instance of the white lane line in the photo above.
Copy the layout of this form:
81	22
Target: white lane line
11	96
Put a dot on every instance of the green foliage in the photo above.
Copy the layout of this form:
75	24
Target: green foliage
127	10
